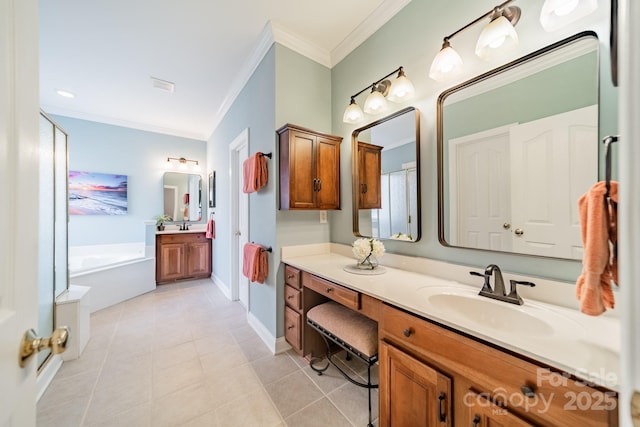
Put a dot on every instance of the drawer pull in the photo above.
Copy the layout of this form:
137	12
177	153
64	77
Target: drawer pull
290	276
441	412
476	421
289	296
290	327
329	290
407	332
528	391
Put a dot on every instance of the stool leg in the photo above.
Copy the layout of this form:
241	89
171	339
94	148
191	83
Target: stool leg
314	360
369	390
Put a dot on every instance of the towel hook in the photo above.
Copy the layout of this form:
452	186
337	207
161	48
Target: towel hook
607	141
269	155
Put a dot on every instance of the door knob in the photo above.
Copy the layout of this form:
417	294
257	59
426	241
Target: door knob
506	226
519	231
237	233
32	344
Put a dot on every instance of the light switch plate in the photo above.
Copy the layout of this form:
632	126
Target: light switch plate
323	217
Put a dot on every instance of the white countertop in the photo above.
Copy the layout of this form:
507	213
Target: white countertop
175	229
591	353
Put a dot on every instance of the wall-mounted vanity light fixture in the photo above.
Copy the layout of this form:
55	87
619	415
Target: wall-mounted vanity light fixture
182	164
556	14
381	90
497	36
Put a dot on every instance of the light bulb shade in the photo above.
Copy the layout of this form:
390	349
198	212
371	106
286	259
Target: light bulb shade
401	89
555	14
375	103
496	38
446	64
353	113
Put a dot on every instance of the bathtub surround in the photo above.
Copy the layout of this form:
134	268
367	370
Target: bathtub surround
114	273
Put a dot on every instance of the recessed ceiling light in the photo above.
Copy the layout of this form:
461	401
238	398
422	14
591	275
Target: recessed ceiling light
65	93
164	85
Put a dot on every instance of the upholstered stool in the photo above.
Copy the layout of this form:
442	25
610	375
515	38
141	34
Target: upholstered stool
352	331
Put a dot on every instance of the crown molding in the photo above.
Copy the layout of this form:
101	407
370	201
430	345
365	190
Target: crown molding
300	45
273	32
387	10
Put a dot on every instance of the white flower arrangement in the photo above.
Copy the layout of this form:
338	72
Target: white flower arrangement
366	247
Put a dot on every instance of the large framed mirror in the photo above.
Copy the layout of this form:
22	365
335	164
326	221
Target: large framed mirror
385	159
182	195
517	147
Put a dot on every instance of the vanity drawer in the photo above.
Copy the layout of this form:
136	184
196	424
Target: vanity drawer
293	328
292	297
181	238
339	294
292	276
502	377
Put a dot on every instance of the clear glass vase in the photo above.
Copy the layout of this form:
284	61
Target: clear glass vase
369	263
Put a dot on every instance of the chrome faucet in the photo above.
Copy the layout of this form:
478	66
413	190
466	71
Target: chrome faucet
498	291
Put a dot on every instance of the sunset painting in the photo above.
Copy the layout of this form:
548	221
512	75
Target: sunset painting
93	193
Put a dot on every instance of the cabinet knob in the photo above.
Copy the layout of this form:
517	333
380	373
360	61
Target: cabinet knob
528	391
290	327
289	296
407	332
329	290
476	421
290	276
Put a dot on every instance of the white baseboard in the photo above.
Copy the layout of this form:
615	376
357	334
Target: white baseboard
270	341
226	290
46	375
282	345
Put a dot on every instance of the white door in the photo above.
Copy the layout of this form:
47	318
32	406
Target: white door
19	133
479	185
553	163
238	152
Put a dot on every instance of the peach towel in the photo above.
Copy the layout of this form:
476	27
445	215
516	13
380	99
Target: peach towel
598	224
255	265
211	229
254	173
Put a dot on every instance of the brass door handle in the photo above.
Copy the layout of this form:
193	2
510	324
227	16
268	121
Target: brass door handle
32	344
519	231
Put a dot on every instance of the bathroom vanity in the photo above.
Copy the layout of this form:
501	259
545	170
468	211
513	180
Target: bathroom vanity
438	369
182	255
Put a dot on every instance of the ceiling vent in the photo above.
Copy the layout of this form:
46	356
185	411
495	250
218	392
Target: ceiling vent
163	85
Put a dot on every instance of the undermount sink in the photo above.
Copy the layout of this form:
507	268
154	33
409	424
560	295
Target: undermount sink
466	308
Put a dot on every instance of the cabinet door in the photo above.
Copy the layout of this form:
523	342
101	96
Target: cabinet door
483	413
302	171
412	394
172	261
198	259
369	176
328	173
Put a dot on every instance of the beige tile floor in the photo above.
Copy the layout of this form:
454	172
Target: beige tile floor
184	355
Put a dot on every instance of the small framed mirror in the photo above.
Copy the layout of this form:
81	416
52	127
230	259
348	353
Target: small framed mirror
517	147
212	189
182	196
385	159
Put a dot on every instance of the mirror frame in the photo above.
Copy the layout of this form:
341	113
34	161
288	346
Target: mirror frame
186	174
355	172
440	130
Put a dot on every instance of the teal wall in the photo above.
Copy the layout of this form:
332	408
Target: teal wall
566	89
411	39
285	88
141	155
